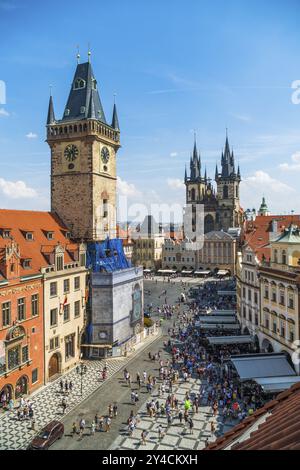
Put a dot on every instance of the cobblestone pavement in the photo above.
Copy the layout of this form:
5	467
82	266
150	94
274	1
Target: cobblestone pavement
15	434
177	436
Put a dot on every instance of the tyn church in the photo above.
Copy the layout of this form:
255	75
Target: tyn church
221	206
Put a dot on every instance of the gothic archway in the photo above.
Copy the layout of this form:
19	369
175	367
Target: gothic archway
54	367
21	386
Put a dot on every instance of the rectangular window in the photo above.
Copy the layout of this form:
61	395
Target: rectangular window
21	309
13	357
53	317
282	330
266	293
274	327
69	346
256	319
6	314
59	263
34	376
255	298
77	308
267	323
53	289
56	342
82	259
25	355
291	302
249	294
67	312
292	336
34	305
77	283
51	344
281	298
66	286
273	296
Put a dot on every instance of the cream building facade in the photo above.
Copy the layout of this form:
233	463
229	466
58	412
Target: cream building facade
65	295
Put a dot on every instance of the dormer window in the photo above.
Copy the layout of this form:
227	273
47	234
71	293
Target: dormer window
26	263
82	109
50	235
59	263
5	233
67	112
68	234
29	236
79	84
94	84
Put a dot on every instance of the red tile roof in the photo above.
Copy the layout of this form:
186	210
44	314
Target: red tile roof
39	223
256	233
279	431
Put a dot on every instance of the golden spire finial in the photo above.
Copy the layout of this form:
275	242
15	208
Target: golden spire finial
89	52
78	55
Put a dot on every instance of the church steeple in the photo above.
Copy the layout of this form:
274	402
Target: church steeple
227	161
115	120
84	100
51	115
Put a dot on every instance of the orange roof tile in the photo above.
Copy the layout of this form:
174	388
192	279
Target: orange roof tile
39	223
256	233
279	431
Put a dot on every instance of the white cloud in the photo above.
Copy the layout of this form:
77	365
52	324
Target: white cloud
173	154
175	183
126	189
16	189
31	135
262	181
294	166
241	117
3	112
280	197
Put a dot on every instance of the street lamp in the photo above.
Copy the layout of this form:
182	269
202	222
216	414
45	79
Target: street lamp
82	370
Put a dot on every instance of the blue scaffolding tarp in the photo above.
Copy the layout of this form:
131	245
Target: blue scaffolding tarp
107	256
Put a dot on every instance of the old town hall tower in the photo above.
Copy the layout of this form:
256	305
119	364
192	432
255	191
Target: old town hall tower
83	160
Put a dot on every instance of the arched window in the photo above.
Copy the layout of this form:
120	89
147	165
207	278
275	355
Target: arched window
79	83
275	256
193	193
225	192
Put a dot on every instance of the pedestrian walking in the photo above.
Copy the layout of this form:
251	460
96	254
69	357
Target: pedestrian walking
108	424
93	428
64	405
143	436
191	425
81	427
74	429
115	410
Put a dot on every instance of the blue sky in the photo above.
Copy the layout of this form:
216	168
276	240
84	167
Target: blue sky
175	66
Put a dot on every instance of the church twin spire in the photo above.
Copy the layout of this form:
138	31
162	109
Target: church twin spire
227	165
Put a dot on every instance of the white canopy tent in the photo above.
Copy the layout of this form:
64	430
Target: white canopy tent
277	384
217	319
202	273
226	292
166	271
218	326
219	340
257	366
222	313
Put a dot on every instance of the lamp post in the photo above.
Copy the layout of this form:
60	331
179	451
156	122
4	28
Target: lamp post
82	370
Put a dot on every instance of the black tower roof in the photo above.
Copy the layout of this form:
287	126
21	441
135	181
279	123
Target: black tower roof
84	101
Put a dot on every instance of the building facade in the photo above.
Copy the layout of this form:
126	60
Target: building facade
217	253
148	244
65	296
267	283
221	207
22	324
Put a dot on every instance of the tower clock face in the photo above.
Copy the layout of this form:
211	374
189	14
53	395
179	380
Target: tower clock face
105	155
71	153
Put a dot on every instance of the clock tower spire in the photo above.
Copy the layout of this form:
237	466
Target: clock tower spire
83	161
